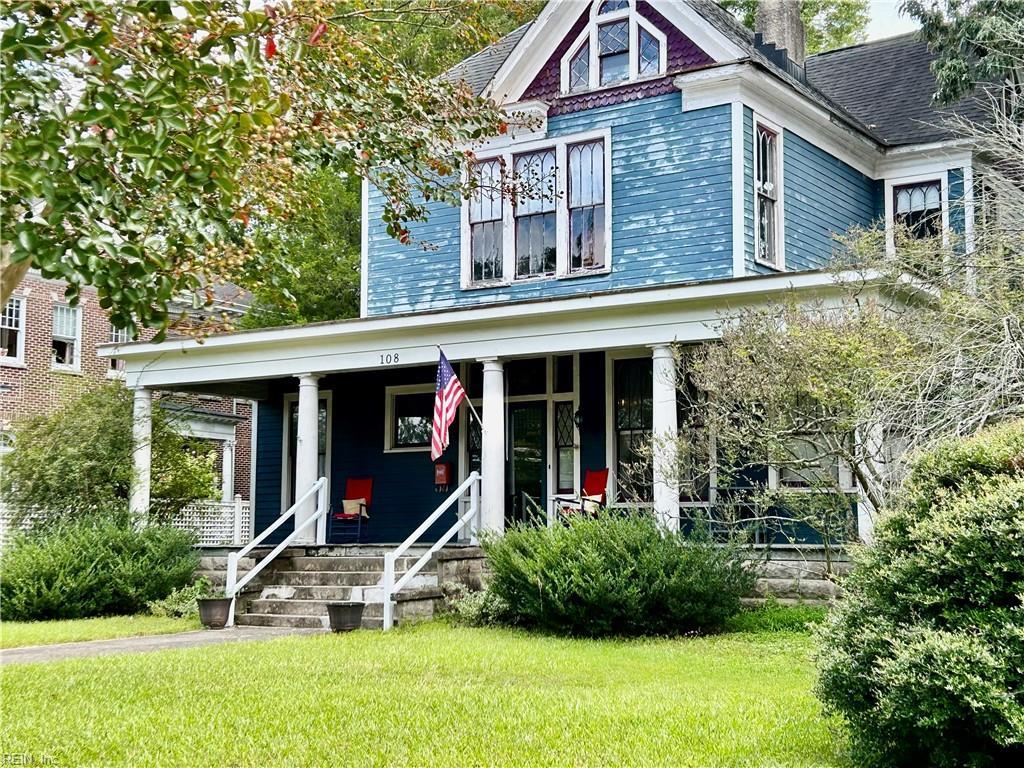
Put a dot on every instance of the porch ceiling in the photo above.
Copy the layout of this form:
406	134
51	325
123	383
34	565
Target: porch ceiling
606	320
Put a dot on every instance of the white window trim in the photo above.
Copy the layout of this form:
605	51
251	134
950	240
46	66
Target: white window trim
780	202
899	181
18	359
76	365
589	33
389	416
562	272
846	483
287	470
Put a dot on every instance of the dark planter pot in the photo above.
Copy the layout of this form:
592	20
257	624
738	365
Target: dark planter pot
214	611
345	616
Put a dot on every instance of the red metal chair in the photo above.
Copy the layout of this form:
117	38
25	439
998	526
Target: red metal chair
595	483
595	486
350	524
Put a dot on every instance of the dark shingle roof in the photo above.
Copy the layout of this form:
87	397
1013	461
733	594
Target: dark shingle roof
478	70
888	86
882	89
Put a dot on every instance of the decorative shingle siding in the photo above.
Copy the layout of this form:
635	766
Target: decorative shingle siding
548	82
682	55
823	197
671	215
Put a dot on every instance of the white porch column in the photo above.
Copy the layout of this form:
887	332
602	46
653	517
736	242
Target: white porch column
306	442
492	459
665	434
142	451
227	471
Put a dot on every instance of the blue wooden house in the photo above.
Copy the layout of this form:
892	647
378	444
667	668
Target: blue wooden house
694	168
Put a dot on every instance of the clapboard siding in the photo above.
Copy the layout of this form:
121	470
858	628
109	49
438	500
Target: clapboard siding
671	194
269	443
823	197
403	483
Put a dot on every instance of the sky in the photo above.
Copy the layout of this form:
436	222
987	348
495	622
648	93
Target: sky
886	20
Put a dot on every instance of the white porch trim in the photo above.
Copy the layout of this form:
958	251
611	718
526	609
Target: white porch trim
607	320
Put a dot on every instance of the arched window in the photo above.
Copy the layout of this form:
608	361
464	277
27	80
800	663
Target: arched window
617	46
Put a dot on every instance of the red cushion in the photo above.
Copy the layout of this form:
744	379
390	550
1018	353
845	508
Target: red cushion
344	516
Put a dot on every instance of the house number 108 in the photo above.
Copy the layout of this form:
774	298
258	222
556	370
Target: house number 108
389	358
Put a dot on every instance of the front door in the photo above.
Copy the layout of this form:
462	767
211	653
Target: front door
527	465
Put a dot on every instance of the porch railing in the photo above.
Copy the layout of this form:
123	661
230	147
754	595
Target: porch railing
216	523
234	583
470	518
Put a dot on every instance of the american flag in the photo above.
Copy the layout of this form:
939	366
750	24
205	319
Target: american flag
446	405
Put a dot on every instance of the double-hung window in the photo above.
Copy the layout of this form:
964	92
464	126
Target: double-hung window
66	336
118	336
12	331
613	52
766	190
535	214
556	221
918	208
586	206
486	214
634	425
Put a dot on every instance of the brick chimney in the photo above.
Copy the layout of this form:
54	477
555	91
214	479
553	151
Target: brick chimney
778	22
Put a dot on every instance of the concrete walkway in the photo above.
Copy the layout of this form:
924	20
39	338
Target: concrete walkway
40	653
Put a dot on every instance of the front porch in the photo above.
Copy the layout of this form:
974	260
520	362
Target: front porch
564	387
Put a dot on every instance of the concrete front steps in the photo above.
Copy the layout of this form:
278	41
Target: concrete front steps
294	590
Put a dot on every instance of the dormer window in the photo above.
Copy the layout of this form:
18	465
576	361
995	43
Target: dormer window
617	46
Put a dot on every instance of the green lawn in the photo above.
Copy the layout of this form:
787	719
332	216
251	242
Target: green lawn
14	634
429	695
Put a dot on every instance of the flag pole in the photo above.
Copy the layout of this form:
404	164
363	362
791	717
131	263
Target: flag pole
466	398
473	411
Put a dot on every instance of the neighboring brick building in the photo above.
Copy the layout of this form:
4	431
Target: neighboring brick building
48	356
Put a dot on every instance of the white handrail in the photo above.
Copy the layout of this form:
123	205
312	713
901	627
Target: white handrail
391	588
234	585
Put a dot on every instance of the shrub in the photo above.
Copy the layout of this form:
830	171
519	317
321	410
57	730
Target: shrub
615	575
181	603
475	608
924	657
93	567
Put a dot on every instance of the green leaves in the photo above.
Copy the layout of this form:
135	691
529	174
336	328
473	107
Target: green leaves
145	133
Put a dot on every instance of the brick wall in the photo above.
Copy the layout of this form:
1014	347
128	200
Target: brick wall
33	386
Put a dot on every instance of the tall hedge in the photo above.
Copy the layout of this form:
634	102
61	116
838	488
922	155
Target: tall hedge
85	567
924	657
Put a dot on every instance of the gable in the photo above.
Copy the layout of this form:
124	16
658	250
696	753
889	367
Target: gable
533	70
682	55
